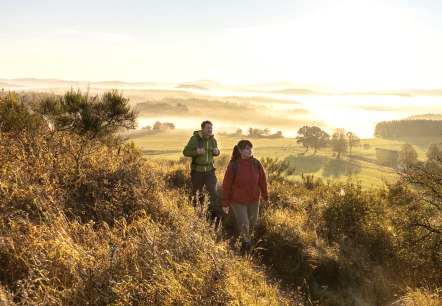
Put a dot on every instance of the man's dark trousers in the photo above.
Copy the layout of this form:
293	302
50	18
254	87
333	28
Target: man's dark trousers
208	179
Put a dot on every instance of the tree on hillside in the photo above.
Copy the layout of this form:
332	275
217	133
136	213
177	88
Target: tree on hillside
408	155
339	142
434	152
423	211
312	136
353	140
302	137
93	117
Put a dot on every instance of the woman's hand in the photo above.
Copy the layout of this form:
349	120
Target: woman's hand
266	203
226	209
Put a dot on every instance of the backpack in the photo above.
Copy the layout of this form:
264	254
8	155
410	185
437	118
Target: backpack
234	165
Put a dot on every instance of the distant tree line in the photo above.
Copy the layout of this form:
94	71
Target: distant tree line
409	128
261	133
183	106
429	116
255	133
159	126
161	107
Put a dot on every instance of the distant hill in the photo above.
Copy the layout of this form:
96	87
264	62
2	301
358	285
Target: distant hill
287	88
401	92
421	92
425	117
209	84
33	83
132	85
375	93
273	86
5	85
190	86
42	83
299	91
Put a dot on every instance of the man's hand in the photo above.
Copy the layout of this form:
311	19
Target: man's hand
200	151
226	209
215	151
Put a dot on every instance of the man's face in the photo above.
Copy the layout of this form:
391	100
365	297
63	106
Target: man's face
207	130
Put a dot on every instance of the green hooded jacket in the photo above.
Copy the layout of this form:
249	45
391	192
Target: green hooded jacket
204	162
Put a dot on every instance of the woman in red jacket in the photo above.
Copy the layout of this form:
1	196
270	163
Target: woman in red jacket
244	183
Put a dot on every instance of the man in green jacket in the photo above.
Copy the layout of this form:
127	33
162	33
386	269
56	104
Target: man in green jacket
202	147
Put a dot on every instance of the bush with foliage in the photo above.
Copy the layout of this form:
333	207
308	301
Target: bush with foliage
434	151
15	114
87	115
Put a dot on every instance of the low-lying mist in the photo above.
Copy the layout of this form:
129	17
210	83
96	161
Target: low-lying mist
229	109
288	113
227	113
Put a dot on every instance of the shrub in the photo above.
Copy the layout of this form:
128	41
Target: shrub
280	237
177	175
276	170
89	116
16	116
309	181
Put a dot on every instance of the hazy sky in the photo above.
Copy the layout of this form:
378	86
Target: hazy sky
355	44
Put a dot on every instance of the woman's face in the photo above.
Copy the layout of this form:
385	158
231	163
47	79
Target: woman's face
246	152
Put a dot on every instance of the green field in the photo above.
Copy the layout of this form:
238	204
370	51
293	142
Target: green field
362	164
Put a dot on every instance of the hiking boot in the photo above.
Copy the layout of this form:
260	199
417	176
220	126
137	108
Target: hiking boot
246	247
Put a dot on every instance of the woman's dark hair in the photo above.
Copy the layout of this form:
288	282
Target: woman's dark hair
242	144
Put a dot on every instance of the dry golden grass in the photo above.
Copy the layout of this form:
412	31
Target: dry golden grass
420	297
99	225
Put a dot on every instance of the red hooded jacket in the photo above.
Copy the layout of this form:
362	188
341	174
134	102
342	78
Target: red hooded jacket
248	184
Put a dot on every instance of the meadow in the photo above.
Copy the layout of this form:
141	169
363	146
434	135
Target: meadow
361	164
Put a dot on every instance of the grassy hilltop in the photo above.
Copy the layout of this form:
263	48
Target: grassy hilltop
87	219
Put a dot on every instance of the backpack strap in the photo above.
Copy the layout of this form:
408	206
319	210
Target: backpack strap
234	166
257	164
200	141
200	145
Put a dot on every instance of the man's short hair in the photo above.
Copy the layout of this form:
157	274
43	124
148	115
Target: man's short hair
203	124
